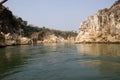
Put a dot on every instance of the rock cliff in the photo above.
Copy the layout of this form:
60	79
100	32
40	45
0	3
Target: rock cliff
15	31
104	26
11	28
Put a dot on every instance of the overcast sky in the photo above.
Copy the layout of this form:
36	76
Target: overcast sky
56	14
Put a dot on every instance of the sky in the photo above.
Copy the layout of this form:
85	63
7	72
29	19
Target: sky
56	14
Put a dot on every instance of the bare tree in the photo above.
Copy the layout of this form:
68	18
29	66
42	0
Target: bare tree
2	1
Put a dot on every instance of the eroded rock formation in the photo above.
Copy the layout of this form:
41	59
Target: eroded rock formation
15	31
104	26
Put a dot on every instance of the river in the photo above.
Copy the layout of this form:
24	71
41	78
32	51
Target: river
60	62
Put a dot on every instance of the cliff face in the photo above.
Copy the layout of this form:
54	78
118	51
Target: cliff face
11	28
15	31
104	26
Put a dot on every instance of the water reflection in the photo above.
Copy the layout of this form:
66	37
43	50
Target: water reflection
44	62
103	67
103	58
11	58
100	49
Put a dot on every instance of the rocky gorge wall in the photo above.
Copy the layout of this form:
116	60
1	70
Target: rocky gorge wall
104	26
15	31
10	29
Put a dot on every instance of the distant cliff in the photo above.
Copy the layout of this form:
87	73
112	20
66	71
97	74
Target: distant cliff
104	26
15	31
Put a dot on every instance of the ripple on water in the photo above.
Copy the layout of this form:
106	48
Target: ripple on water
60	62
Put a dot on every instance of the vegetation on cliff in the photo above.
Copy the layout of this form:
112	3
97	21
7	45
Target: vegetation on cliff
16	27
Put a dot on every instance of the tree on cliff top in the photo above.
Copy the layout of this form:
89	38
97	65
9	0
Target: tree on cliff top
2	1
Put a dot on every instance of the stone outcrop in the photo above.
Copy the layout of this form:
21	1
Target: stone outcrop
104	26
51	38
9	40
24	41
6	40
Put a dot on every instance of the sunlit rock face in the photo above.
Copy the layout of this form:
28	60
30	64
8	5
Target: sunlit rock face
53	39
104	26
24	41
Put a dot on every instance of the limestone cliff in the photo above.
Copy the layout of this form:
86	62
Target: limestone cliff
104	26
15	31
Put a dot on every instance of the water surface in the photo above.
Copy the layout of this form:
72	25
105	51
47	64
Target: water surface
60	62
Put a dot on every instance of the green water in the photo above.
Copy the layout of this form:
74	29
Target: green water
60	62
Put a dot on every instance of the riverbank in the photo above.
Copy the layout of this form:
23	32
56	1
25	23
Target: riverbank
13	40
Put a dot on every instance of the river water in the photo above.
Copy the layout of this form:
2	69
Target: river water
60	62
